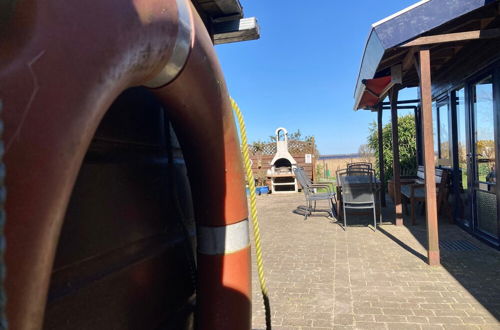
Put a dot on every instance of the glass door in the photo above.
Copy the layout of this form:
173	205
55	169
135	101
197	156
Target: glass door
462	201
444	134
483	158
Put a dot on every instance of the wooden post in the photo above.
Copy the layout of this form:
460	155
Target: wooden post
429	170
381	162
396	168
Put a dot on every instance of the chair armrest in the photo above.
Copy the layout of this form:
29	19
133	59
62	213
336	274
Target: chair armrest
403	181
328	183
319	185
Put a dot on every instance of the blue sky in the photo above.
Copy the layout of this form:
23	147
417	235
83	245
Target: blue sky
301	74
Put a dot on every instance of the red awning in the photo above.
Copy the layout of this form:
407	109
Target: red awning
374	88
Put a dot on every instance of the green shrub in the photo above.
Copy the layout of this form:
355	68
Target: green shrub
407	146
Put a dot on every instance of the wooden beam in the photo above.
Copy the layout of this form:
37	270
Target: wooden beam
402	107
396	74
414	101
484	22
239	29
396	168
416	63
381	161
409	59
429	170
445	53
453	37
390	60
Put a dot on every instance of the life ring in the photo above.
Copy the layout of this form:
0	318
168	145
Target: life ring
57	79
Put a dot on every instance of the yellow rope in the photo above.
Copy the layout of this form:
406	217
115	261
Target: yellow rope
253	211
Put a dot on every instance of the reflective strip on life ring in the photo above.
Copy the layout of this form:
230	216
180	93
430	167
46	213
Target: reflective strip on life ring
223	239
224	281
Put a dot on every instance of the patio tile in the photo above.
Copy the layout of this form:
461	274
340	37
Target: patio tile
322	277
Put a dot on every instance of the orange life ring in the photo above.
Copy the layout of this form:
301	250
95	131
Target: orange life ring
61	66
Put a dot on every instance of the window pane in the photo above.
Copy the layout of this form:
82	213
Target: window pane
444	136
464	208
484	131
485	157
435	132
462	144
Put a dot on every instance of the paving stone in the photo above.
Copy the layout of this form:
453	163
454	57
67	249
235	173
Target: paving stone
390	318
403	326
490	327
322	277
369	325
322	323
397	311
432	327
364	318
435	306
343	319
417	319
462	327
297	322
445	320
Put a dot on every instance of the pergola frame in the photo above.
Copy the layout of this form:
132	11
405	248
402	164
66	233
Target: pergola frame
422	29
423	121
422	63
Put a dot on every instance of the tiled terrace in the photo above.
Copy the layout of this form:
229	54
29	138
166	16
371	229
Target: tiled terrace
322	277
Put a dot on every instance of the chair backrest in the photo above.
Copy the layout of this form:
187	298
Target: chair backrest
443	184
439	173
356	190
304	183
300	171
420	173
339	174
361	171
359	165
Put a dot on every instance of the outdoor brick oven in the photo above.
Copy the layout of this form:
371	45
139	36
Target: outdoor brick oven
282	165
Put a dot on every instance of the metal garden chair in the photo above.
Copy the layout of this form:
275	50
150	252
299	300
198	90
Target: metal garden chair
358	192
311	193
